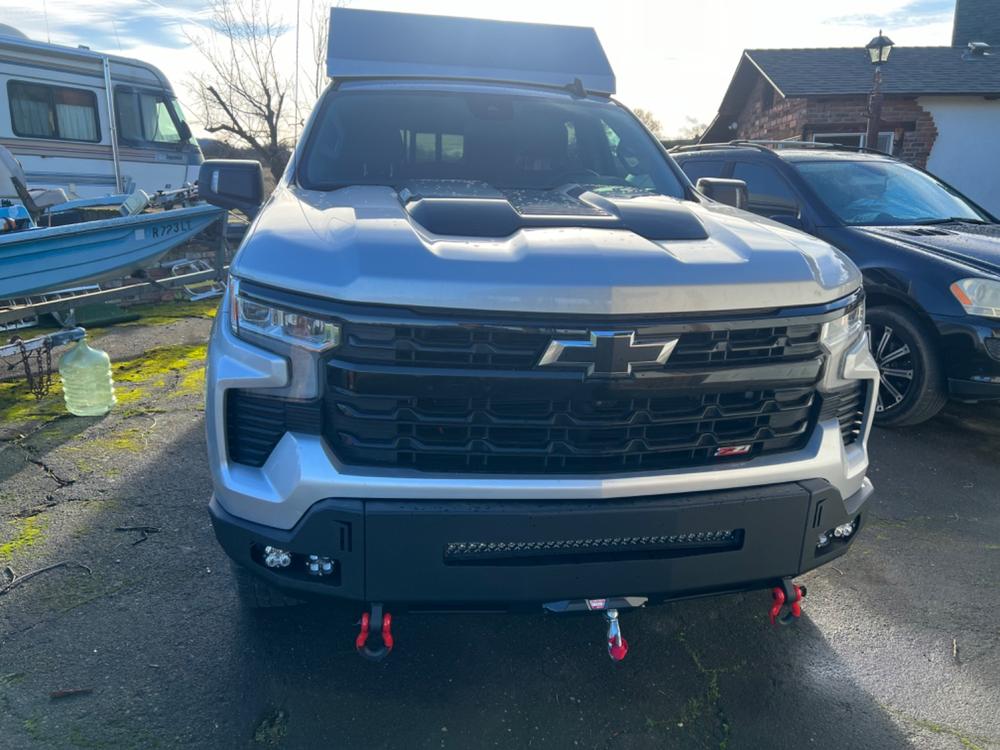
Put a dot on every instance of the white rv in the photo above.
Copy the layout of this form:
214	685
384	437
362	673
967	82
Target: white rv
89	123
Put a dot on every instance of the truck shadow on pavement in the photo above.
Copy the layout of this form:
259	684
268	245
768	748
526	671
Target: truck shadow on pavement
707	673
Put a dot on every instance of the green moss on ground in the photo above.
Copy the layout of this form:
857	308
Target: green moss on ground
184	364
131	440
18	404
167	312
153	367
25	533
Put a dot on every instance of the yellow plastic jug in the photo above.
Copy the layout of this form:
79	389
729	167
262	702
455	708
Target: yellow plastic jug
87	384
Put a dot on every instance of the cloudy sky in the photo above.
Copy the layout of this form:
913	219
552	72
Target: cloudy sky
674	57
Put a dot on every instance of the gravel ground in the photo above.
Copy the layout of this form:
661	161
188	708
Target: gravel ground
897	648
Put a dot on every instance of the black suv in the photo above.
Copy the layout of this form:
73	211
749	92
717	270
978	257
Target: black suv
930	259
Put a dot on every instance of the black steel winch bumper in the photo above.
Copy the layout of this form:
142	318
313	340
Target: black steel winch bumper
517	554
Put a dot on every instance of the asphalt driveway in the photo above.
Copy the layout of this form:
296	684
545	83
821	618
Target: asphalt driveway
147	647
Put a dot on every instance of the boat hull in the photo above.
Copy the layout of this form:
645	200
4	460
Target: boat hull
36	260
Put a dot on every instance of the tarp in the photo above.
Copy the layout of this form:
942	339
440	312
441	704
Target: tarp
374	44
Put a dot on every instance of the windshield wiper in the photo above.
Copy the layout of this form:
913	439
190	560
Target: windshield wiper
949	220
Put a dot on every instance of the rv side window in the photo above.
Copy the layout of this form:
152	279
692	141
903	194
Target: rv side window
145	117
38	111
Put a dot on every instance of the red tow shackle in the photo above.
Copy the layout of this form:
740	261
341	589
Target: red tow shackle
382	627
786	594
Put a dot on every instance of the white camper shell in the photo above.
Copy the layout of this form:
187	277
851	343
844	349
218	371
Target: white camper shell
58	120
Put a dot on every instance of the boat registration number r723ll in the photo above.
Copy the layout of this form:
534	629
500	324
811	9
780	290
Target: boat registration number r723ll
166	229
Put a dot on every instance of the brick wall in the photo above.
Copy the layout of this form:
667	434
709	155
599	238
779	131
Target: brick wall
912	125
782	119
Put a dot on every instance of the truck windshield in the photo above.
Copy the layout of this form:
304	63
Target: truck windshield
881	193
509	141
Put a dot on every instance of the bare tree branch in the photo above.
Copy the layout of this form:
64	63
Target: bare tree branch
243	93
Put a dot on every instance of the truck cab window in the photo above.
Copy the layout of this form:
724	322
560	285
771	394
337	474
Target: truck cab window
769	193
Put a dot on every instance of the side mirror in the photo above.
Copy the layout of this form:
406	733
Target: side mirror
184	131
789	220
731	192
232	183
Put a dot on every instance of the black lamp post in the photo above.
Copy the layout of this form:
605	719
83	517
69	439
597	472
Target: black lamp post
878	52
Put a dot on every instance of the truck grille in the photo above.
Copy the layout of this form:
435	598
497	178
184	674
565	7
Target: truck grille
439	394
485	346
521	434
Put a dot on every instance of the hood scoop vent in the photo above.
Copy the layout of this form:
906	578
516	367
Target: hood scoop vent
477	209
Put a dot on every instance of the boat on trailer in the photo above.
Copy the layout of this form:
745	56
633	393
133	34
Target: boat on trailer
35	259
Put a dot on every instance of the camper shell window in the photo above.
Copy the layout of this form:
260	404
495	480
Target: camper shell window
53	112
148	116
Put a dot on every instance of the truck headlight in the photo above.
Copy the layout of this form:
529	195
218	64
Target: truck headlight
978	296
306	330
845	329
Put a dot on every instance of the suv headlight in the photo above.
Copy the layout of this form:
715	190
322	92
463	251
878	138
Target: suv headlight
305	330
978	296
846	329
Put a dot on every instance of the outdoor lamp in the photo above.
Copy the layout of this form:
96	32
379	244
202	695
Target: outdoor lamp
879	48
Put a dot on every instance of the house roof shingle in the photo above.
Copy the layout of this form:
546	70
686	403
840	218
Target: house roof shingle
844	71
912	71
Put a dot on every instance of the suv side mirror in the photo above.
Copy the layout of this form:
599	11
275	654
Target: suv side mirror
731	192
232	183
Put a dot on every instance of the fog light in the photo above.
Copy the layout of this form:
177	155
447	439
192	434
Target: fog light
844	530
824	539
319	566
277	558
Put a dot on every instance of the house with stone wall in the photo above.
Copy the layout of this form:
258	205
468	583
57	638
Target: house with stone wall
941	108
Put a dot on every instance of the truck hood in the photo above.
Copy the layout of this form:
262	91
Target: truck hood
975	245
362	244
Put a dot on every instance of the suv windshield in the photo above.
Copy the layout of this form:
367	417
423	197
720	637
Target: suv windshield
509	141
883	193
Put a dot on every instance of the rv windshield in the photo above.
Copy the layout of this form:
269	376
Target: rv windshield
509	141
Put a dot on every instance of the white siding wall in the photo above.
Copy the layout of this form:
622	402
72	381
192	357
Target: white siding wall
966	153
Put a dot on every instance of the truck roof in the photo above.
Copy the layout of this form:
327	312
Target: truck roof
375	44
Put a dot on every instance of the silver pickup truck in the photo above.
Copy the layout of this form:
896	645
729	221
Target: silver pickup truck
486	346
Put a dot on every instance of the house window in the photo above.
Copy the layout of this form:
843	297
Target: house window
56	112
145	117
885	140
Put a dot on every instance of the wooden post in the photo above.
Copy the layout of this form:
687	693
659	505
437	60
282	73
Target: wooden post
875	111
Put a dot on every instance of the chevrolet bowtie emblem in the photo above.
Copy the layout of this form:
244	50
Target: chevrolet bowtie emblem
608	354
